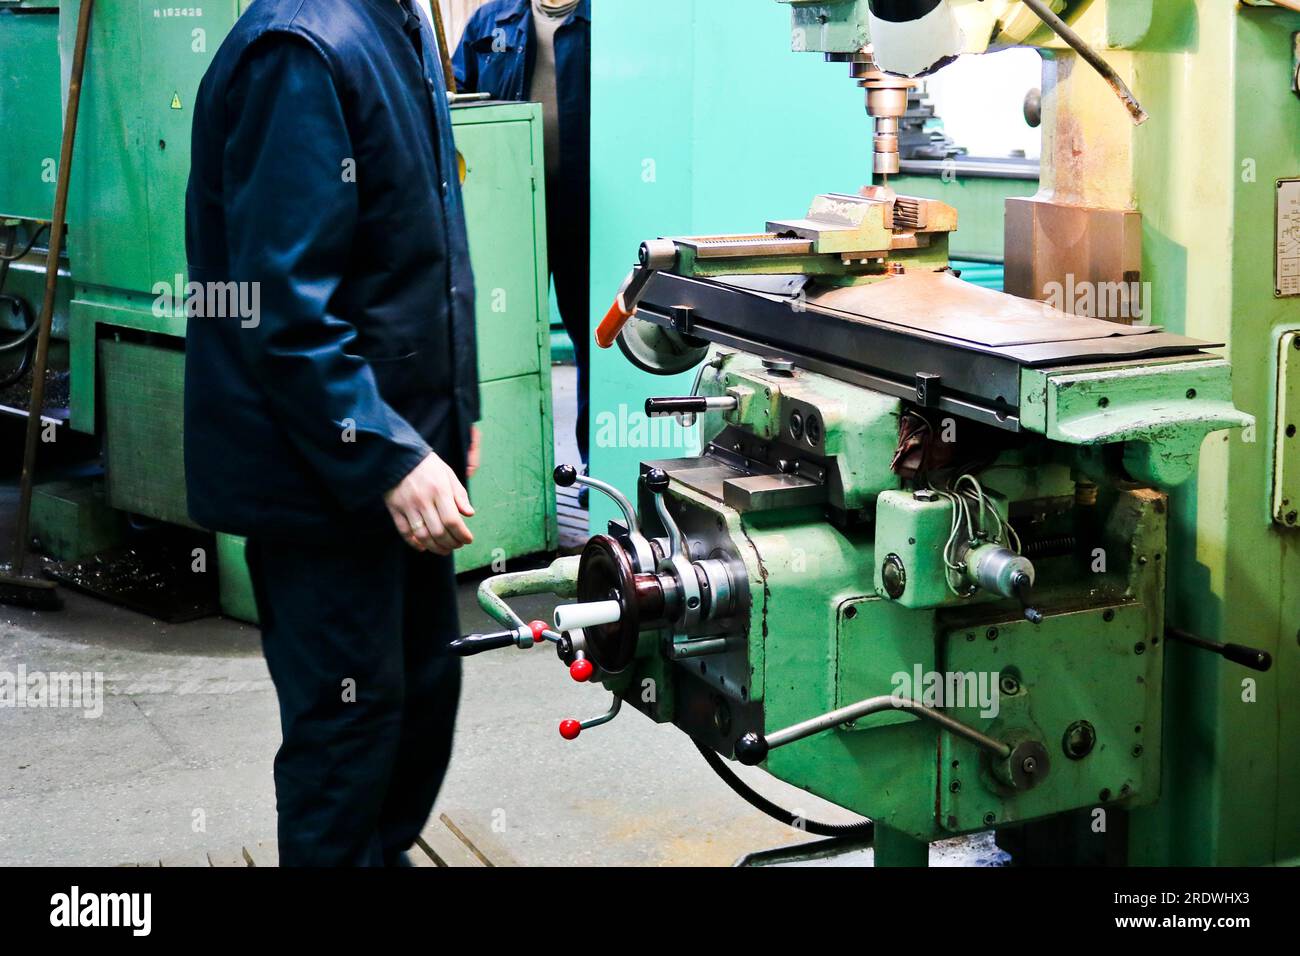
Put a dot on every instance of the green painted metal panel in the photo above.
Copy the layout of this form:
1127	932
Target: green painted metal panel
31	111
1114	687
512	494
499	189
126	210
107	307
815	653
143	408
831	26
176	51
72	519
877	640
1232	769
914	533
234	583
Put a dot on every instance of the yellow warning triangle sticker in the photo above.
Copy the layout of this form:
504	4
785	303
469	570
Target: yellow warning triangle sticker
176	101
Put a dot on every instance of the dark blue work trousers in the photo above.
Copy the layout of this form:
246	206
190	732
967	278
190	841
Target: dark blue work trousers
355	634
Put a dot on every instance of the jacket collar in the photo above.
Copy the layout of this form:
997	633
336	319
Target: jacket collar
511	12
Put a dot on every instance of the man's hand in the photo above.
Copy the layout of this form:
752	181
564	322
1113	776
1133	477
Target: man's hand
427	507
472	458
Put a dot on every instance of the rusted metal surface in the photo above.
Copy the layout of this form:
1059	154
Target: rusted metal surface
939	303
1084	259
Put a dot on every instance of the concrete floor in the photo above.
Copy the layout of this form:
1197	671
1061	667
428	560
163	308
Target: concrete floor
180	759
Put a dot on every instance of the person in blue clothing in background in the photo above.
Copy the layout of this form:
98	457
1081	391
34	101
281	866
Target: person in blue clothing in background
335	428
540	50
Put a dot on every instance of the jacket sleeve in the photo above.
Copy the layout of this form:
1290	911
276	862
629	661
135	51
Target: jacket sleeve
463	62
291	209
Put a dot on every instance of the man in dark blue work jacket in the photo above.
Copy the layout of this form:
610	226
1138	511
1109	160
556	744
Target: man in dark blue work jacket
334	428
541	50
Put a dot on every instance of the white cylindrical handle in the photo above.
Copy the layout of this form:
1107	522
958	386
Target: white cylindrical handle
571	617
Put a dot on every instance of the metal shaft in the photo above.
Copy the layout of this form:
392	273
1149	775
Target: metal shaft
46	319
559	578
875	705
1094	59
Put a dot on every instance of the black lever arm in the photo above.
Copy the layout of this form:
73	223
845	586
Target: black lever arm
676	405
1251	657
534	632
472	644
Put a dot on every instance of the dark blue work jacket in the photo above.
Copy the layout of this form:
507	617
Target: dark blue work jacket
496	54
324	177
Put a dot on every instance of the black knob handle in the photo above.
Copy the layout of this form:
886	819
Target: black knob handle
472	644
1251	657
565	475
656	479
751	749
683	405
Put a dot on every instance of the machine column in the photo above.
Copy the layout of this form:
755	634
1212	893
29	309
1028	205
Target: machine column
895	848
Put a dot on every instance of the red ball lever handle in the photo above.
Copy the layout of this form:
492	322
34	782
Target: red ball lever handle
581	670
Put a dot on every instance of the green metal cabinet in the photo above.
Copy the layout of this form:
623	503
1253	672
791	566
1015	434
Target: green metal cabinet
500	147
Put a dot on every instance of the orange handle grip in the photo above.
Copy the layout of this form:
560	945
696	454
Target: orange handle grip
612	323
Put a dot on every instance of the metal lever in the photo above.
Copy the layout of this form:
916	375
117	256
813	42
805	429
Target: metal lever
1251	657
678	560
752	749
570	728
642	557
532	633
656	480
654	256
686	407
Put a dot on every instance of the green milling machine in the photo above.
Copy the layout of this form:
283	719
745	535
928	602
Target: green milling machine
119	322
962	560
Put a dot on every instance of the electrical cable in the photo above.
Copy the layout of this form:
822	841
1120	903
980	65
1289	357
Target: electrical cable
16	374
864	829
29	321
26	338
9	256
